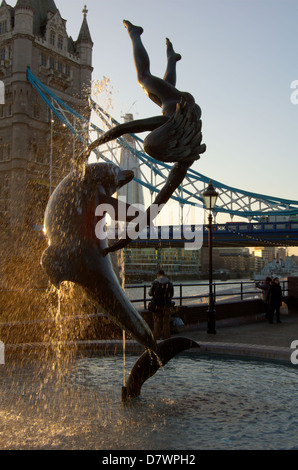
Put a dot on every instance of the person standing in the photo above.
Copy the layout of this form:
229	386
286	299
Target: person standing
275	299
161	291
264	286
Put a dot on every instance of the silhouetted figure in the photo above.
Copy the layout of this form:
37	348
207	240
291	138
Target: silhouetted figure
161	291
264	286
275	298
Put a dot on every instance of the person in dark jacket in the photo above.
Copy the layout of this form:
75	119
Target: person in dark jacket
275	298
264	286
161	292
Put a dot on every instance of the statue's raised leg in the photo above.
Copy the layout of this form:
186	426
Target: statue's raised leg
159	91
170	74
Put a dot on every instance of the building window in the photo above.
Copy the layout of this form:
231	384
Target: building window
60	42
3	27
40	156
67	70
6	201
9	109
5	152
43	60
36	111
51	63
8	151
59	67
52	38
2	53
34	150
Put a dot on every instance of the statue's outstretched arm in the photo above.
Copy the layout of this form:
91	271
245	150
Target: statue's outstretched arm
175	178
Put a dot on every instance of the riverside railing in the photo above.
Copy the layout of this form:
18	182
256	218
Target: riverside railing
223	291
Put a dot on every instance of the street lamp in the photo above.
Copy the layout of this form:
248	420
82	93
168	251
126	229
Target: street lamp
210	197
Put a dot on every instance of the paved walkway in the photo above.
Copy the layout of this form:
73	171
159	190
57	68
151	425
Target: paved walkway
260	339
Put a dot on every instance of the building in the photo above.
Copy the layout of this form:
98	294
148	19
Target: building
33	34
34	146
267	253
235	260
131	193
142	264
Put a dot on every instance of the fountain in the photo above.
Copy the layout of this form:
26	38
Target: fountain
77	254
50	402
197	402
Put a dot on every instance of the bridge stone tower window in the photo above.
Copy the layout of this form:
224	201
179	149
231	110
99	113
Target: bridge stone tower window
52	38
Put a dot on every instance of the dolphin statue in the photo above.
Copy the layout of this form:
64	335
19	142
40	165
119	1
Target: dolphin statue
76	254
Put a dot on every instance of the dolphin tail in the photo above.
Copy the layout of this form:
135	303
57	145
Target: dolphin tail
148	364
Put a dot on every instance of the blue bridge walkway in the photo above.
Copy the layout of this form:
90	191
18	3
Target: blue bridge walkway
228	234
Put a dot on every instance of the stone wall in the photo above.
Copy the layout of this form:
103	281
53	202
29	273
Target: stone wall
196	314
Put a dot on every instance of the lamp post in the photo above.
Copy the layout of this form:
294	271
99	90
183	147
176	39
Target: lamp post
210	197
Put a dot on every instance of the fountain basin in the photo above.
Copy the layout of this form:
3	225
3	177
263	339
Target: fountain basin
216	402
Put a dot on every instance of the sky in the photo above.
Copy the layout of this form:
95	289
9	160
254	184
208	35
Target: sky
239	59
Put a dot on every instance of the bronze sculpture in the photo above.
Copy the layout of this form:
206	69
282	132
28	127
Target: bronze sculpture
175	135
76	254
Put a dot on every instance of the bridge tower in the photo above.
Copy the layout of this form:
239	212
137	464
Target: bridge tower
33	34
35	149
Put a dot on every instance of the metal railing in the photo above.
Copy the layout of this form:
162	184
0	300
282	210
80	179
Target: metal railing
242	290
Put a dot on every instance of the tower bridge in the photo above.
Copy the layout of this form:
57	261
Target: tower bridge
223	235
252	208
45	124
